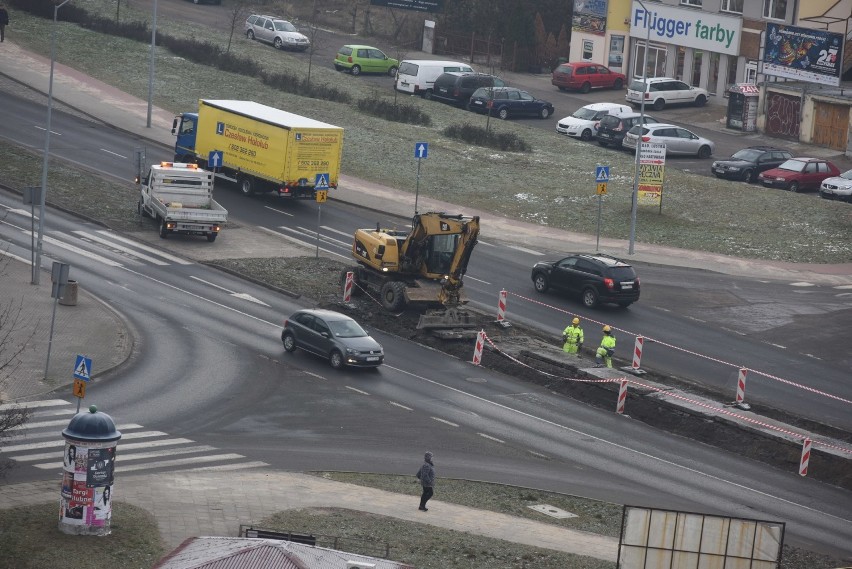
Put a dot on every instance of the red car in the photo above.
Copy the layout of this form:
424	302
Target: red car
584	76
797	174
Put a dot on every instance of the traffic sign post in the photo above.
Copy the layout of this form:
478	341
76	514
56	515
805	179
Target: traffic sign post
321	189
82	374
601	178
421	150
79	391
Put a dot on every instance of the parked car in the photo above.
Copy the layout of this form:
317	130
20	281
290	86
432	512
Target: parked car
595	278
612	127
505	102
584	76
747	163
838	188
456	87
280	33
357	59
417	76
583	123
797	174
664	91
677	139
331	335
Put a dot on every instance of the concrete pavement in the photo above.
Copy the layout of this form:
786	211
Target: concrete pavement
198	502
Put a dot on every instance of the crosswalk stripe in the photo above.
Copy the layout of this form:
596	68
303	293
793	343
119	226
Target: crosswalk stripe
61	442
226	467
59	422
23	434
136	456
35	404
177	462
121	248
82	252
144	247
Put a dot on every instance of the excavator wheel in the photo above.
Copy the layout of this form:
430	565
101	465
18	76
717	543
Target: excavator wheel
393	295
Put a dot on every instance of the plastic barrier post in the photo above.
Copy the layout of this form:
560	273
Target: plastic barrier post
347	287
637	351
741	382
622	397
501	306
477	351
806	457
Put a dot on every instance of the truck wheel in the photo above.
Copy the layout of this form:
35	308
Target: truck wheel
211	237
393	295
356	289
164	233
246	185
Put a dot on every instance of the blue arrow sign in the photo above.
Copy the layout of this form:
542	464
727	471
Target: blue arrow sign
421	150
602	174
214	160
321	182
83	368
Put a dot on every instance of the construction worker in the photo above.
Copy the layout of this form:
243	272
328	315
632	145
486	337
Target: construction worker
572	338
606	349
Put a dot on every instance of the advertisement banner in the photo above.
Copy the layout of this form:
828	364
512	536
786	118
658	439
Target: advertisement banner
418	5
803	54
652	171
590	16
686	27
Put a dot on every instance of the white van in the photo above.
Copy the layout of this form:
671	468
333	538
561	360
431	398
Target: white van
417	76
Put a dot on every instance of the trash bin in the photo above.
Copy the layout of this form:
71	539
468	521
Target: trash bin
69	298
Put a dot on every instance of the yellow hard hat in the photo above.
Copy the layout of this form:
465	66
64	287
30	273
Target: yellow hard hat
607	328
575	321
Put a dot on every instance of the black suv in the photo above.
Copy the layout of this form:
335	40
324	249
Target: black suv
456	87
595	278
612	128
747	163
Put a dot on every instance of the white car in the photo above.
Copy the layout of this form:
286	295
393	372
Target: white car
280	33
677	139
837	188
583	123
664	91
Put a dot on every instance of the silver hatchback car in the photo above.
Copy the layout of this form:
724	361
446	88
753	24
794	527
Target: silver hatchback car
331	335
677	139
280	33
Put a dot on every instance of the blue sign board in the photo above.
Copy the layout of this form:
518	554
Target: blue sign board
83	368
214	160
321	182
421	150
601	173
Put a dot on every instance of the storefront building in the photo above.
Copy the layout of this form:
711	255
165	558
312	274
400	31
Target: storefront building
599	33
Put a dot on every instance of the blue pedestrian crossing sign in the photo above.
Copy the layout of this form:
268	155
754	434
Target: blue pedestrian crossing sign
601	173
321	182
83	368
214	159
421	150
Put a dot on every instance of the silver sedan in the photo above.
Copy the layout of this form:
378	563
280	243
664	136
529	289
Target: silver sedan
677	139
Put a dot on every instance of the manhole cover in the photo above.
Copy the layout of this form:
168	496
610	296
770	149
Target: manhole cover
552	511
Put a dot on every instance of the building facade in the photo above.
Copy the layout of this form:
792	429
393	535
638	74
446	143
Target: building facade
599	33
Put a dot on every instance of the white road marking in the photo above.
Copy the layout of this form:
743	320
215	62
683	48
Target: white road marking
802	284
144	247
45	130
400	405
242	295
311	246
525	250
444	421
35	404
333	230
227	467
356	390
495	439
538	454
121	248
177	462
60	422
113	153
279	211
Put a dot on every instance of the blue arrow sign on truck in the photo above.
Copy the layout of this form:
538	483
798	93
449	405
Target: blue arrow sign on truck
421	150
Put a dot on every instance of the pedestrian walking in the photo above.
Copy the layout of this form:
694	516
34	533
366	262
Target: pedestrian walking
426	476
606	349
572	338
4	21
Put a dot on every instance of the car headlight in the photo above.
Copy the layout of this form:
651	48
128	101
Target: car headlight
779	179
734	168
351	352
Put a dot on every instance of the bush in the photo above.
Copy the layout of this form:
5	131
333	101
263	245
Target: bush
404	113
291	84
488	138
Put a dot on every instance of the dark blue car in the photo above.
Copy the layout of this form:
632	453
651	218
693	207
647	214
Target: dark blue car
505	102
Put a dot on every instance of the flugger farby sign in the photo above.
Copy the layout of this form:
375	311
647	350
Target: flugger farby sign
689	28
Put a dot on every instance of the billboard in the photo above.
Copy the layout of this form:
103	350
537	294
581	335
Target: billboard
417	5
803	54
590	16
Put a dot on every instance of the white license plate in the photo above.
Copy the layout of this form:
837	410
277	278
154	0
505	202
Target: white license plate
477	103
372	358
627	286
720	170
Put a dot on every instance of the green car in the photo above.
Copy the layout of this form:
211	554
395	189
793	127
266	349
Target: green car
357	59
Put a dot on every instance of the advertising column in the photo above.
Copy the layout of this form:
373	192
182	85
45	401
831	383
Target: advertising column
85	506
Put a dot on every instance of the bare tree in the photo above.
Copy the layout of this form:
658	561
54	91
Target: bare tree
239	11
314	36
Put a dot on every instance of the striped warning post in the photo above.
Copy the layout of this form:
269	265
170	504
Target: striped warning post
501	306
806	457
741	380
637	351
477	351
622	397
347	287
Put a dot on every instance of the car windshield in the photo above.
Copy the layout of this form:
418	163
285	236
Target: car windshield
282	26
346	329
847	174
793	165
748	154
585	114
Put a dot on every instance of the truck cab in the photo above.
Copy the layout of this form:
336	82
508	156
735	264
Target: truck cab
185	127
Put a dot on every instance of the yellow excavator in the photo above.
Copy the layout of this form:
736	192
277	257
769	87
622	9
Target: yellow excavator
423	266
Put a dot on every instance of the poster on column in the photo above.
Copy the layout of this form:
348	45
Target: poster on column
652	170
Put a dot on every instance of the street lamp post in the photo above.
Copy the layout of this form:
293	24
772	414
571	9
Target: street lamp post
635	204
36	277
151	67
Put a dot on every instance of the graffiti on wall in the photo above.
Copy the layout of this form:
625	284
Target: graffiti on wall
782	115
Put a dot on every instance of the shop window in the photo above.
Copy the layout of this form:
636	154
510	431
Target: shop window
713	73
697	57
731	73
681	57
691	3
655	62
735	6
775	9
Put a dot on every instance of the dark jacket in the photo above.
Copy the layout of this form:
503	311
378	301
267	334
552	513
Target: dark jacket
426	474
4	17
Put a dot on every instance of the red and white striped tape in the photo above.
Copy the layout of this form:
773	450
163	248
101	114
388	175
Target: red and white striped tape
347	287
501	306
637	351
741	379
477	351
806	457
622	397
